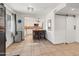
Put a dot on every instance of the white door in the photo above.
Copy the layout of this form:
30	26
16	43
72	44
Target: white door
60	29
70	32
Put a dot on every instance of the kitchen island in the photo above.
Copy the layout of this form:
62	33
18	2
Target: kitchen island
39	34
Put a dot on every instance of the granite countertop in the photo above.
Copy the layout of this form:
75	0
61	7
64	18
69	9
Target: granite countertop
37	29
32	27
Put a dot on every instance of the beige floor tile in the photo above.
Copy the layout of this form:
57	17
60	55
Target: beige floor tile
30	47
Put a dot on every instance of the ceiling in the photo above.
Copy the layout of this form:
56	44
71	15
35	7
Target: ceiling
71	9
40	9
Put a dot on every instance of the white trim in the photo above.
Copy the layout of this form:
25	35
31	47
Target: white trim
9	8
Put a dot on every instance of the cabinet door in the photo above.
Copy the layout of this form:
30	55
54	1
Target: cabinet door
2	43
70	32
60	28
2	30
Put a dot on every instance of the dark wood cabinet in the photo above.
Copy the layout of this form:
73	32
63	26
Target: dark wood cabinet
39	34
2	43
2	30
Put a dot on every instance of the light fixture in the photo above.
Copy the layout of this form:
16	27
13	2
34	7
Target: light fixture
30	8
73	9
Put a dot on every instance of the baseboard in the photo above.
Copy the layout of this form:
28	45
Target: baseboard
9	45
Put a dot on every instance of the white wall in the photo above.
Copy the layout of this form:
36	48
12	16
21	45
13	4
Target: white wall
11	29
60	29
50	34
77	28
20	26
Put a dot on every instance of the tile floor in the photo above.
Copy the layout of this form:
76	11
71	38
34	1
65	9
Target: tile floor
28	47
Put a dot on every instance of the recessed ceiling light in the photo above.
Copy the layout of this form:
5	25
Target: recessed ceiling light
73	9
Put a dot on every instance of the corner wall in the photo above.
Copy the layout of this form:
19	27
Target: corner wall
11	29
50	35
